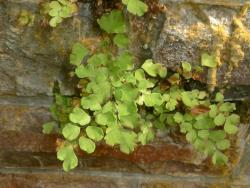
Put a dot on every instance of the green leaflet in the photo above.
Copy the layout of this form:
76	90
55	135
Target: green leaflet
219	97
136	7
185	127
219	119
219	158
126	93
78	53
186	66
124	61
230	127
204	122
147	134
107	116
49	127
121	40
213	111
154	69
217	135
71	131
59	10
122	137
95	133
153	99
86	145
92	102
190	98
68	156
79	116
99	59
223	144
171	104
208	61
178	117
227	107
112	22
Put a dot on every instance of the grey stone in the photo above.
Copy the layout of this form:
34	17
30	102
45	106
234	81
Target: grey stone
186	34
33	57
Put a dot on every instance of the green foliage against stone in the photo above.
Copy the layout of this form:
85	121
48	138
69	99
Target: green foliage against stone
59	10
87	144
202	129
136	7
49	127
68	156
186	66
121	40
79	116
78	54
71	131
154	69
113	22
124	106
116	135
208	60
95	133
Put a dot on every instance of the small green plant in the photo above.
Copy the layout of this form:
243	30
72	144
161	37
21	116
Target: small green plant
123	106
59	10
26	18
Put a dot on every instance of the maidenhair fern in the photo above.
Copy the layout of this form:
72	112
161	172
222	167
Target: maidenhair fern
59	10
123	106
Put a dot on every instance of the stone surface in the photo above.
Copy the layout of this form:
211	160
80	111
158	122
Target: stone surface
186	34
33	57
23	118
58	180
92	179
181	31
155	158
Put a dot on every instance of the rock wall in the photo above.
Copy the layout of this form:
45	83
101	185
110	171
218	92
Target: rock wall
34	56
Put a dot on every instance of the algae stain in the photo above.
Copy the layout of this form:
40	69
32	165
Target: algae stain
221	36
226	48
240	36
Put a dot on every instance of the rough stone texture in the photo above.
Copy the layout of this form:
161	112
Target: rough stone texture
32	58
23	118
180	33
92	179
58	180
186	34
